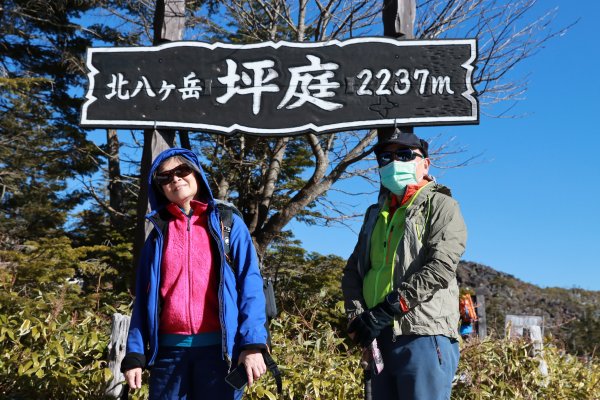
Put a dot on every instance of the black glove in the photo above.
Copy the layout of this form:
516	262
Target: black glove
368	325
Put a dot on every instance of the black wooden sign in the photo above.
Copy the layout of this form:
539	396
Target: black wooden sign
282	88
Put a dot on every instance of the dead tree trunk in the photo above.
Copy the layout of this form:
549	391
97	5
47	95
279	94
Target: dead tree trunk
116	352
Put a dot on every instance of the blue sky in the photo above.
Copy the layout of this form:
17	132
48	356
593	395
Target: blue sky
531	203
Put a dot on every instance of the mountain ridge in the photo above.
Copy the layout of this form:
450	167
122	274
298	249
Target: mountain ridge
570	315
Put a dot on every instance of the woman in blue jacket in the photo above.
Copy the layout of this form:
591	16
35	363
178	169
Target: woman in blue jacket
195	311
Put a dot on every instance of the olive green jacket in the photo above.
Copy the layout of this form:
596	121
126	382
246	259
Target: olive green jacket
425	264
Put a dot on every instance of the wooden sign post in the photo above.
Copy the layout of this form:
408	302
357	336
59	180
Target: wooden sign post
169	21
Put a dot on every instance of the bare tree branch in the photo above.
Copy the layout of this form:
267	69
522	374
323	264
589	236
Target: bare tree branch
271	175
269	178
100	199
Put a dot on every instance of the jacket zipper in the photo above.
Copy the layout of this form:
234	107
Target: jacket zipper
389	239
386	250
387	247
189	273
221	316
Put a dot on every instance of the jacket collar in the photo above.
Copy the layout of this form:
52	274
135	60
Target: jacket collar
422	195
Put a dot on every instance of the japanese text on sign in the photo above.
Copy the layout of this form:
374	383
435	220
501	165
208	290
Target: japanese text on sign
308	87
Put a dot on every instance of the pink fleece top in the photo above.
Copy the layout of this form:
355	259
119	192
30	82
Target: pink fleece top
189	278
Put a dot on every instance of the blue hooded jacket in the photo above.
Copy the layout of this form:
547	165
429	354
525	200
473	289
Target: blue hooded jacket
241	298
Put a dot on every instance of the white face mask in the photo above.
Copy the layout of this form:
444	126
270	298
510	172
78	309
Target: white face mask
396	175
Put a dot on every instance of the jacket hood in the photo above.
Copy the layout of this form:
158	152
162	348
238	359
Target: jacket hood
155	196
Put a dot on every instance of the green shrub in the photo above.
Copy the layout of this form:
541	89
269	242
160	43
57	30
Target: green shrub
52	357
53	336
63	357
54	320
315	362
316	366
504	369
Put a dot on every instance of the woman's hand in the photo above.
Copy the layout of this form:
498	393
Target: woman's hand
133	377
255	364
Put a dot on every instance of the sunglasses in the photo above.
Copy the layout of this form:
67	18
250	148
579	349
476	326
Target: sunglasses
404	155
166	177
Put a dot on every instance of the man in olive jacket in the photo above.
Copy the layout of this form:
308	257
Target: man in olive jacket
400	284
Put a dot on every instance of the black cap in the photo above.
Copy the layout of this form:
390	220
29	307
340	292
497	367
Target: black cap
406	139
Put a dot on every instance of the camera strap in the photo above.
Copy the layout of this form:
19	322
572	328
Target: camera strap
272	366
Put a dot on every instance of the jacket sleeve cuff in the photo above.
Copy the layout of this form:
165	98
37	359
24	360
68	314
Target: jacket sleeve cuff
254	346
356	310
407	301
133	360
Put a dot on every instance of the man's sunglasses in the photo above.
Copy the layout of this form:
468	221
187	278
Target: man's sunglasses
404	155
166	177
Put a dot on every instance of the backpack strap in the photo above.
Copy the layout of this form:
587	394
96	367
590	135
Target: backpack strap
226	211
161	220
124	392
226	223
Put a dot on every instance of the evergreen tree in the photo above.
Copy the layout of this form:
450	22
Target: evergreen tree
33	166
41	144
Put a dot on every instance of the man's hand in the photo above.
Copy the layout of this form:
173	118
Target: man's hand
254	363
133	377
368	325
